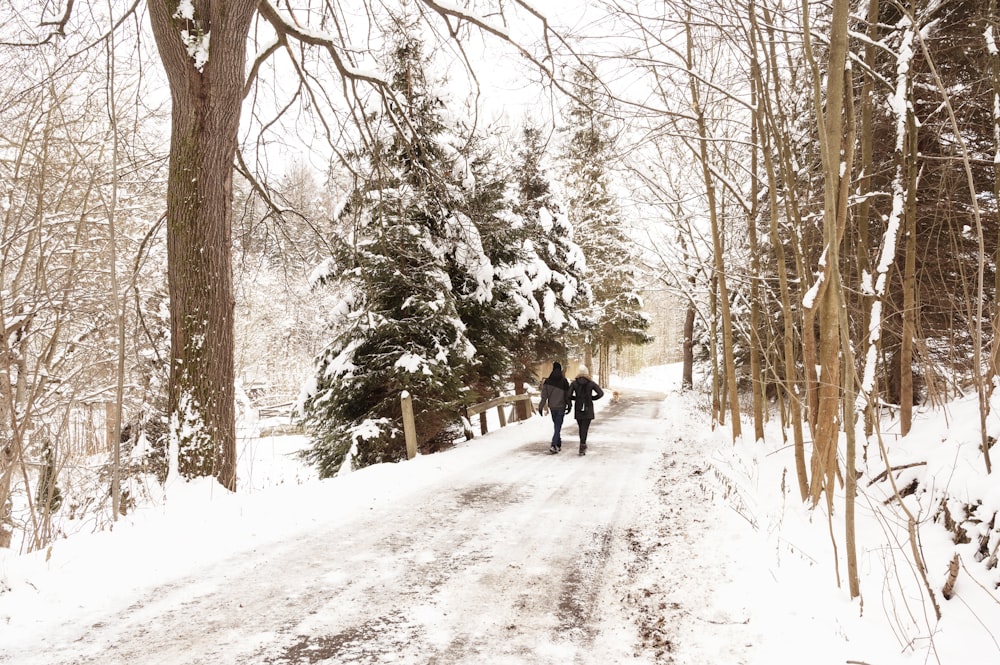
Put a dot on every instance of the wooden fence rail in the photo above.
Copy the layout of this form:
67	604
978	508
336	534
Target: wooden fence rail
498	402
409	426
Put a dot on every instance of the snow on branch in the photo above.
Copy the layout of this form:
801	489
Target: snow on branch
900	108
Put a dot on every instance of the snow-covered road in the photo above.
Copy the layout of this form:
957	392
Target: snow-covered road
505	554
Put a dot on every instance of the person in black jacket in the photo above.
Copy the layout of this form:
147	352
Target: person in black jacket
583	391
555	392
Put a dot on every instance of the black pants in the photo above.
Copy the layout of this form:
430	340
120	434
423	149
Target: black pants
584	428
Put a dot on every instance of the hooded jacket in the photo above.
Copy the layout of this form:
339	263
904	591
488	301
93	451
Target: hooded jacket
582	392
555	391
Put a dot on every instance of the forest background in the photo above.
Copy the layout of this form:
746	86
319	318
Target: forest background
815	183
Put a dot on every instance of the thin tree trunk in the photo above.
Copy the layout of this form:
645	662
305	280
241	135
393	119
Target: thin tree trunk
850	374
994	365
729	362
909	277
829	115
790	380
756	345
117	298
867	136
604	362
687	372
718	412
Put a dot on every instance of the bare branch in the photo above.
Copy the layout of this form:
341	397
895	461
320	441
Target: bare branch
60	25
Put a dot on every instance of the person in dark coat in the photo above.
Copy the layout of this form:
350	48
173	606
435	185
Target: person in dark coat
555	393
582	393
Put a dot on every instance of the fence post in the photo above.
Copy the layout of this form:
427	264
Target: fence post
409	425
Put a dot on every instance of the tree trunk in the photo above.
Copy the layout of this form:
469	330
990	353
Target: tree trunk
729	363
604	364
909	277
687	372
205	120
866	142
848	388
718	412
836	175
790	379
522	407
994	365
756	345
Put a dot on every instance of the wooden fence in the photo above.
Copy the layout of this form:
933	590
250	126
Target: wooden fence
409	426
498	402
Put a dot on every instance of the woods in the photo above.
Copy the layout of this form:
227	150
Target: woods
815	183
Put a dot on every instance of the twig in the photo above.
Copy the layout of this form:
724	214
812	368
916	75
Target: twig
885	474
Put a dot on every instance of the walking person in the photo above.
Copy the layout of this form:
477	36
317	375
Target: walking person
555	392
582	392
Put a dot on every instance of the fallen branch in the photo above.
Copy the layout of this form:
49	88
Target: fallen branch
885	474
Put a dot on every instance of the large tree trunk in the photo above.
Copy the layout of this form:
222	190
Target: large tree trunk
205	121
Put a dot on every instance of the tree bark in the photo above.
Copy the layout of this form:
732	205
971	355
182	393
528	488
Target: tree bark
729	363
836	175
768	127
756	344
866	144
850	375
204	124
604	363
687	373
994	365
909	277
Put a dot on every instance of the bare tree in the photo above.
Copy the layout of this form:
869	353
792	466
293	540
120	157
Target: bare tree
202	47
57	249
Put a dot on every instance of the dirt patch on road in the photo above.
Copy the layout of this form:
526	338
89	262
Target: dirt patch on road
578	601
659	549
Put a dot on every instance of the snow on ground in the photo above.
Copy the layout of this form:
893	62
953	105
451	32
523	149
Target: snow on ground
714	560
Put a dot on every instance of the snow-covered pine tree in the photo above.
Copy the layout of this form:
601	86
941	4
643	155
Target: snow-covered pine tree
556	266
432	297
616	316
491	304
400	326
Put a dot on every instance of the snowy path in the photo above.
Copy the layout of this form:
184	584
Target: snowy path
511	555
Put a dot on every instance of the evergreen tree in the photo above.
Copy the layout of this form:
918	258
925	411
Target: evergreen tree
616	315
402	328
555	264
489	295
431	294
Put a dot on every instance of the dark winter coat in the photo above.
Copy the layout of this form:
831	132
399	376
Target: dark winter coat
555	392
582	392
